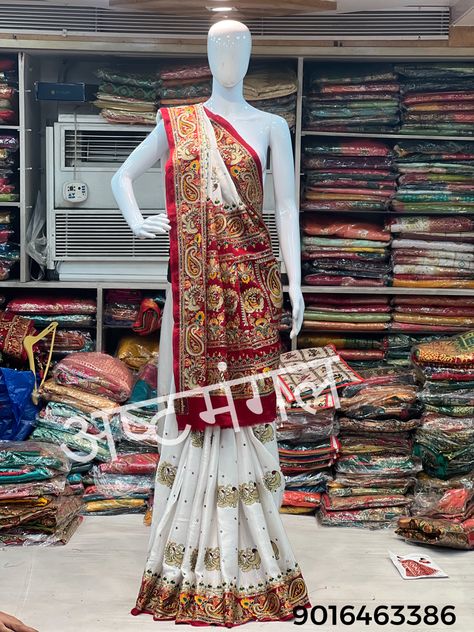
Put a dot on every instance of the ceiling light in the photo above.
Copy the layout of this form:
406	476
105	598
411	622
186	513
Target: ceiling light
220	9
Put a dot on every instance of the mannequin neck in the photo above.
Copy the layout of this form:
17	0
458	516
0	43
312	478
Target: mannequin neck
226	101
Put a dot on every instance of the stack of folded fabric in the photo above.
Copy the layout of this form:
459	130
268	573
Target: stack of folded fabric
376	469
342	251
348	175
348	314
352	98
122	486
82	395
445	440
122	307
9	251
37	506
442	514
361	351
272	88
444	314
433	251
127	97
399	346
185	83
437	98
75	316
8	149
436	177
136	351
8	90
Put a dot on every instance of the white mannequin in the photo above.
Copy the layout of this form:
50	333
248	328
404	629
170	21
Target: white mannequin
229	47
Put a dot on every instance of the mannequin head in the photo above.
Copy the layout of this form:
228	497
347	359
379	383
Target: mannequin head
228	49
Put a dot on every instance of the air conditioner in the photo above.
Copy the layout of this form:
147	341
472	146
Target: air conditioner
89	150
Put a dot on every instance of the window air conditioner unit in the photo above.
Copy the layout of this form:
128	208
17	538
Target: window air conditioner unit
81	235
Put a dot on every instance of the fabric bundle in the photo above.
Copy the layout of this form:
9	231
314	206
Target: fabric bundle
445	440
349	315
122	486
127	96
352	98
37	506
376	469
9	250
442	514
437	98
272	88
342	251
122	307
347	175
185	83
8	91
75	317
432	314
435	177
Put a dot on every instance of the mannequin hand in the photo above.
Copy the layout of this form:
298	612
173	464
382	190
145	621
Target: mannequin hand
297	304
10	624
152	226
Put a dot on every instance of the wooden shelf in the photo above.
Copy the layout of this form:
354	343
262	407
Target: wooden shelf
387	136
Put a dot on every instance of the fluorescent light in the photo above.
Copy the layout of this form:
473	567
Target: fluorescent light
220	9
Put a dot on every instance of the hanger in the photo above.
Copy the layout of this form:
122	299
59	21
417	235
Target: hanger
28	344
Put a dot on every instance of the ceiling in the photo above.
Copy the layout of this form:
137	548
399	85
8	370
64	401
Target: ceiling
462	10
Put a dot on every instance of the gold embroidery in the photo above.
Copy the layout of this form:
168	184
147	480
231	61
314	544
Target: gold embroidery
227	496
276	551
212	559
249	559
248	493
272	480
264	432
197	439
174	554
166	474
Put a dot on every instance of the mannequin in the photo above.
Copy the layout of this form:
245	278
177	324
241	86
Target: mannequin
225	546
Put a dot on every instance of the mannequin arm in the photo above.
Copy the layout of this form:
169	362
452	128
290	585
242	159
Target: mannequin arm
140	160
287	214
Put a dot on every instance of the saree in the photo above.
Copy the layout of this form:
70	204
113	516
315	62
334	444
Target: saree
218	551
226	288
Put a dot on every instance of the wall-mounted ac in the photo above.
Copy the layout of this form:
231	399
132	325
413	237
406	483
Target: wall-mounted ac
87	149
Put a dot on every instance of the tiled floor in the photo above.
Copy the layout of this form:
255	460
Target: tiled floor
90	585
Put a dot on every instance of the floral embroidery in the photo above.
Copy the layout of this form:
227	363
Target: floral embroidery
249	560
197	439
212	559
174	554
253	300
248	493
166	474
272	480
227	496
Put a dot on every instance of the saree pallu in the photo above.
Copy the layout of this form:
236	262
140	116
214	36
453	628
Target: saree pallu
227	293
437	532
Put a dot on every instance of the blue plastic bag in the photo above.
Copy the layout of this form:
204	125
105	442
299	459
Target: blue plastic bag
17	411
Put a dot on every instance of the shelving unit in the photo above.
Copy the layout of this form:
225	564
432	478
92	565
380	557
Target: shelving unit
32	120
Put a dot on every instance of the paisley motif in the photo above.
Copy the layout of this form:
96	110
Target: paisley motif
248	493
197	439
227	496
166	474
212	559
194	339
266	606
272	480
249	559
174	554
274	286
264	432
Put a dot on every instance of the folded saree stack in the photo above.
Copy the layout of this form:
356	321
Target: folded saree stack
442	514
437	314
8	91
437	98
9	250
376	470
433	252
347	175
272	88
445	440
185	83
127	96
349	314
37	505
352	98
361	351
338	251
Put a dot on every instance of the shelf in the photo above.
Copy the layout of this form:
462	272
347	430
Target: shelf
388	136
88	285
348	289
10	128
16	204
390	212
